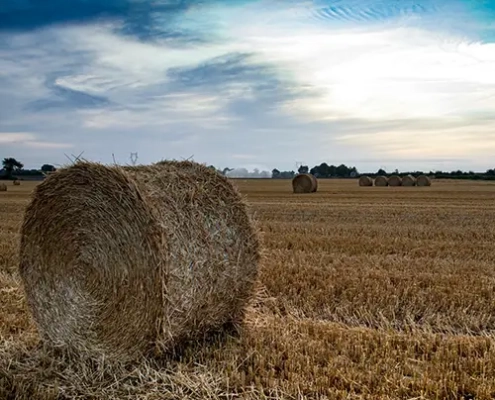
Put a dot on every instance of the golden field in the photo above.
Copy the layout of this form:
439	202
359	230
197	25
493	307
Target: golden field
364	293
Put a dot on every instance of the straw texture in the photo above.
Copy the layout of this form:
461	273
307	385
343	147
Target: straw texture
381	181
131	260
423	180
365	181
408	180
304	183
395	180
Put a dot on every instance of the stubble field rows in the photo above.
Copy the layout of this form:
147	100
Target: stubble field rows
363	293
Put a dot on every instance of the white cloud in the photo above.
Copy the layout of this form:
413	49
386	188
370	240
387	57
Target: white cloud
48	145
412	143
30	140
126	62
189	108
15	137
376	73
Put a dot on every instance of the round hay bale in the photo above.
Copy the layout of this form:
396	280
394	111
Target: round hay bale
132	260
365	181
315	183
395	180
3	187
408	180
381	181
16	183
304	183
423	180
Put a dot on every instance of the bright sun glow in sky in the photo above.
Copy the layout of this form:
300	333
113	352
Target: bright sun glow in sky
255	84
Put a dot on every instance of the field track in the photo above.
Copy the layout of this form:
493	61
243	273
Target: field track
364	293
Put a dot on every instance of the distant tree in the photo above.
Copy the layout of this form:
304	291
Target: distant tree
225	170
48	168
323	170
303	169
381	171
342	171
287	174
332	171
328	171
275	173
11	165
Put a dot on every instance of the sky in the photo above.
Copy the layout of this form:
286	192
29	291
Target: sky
250	84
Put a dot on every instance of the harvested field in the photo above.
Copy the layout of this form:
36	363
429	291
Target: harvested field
374	294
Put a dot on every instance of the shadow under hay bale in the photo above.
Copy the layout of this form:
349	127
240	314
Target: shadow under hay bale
132	260
408	180
395	180
423	180
381	181
3	187
365	181
304	183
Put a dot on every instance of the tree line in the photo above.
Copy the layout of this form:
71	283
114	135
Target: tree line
13	168
343	171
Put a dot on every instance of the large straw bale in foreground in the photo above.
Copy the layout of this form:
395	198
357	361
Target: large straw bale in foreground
365	181
423	180
126	260
395	180
3	187
381	181
304	183
408	180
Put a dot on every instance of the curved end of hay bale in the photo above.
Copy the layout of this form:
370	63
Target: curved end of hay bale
87	242
3	187
395	180
365	181
127	260
408	180
315	183
423	180
304	183
381	181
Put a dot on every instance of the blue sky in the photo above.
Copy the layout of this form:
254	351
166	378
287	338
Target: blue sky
250	84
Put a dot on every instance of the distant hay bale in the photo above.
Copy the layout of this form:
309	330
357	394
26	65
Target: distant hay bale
131	260
408	180
365	181
395	180
304	183
3	187
423	180
381	181
16	183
